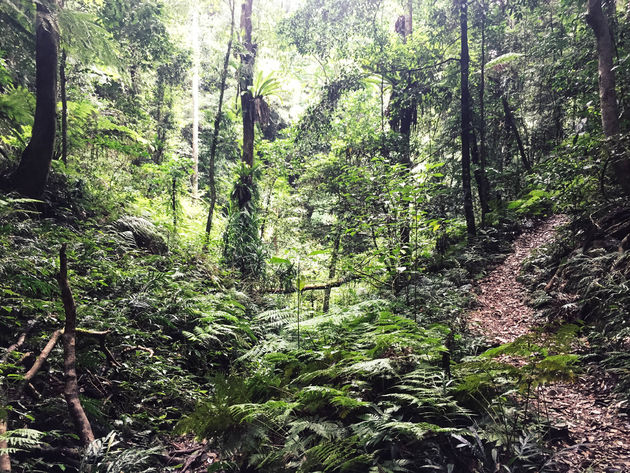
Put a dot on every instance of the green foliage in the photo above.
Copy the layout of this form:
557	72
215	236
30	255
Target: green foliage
17	105
536	203
364	392
242	248
106	456
20	440
529	361
85	39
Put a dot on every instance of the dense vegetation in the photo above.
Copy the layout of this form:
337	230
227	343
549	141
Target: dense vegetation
257	228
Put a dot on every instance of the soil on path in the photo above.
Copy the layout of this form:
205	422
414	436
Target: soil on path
594	430
502	314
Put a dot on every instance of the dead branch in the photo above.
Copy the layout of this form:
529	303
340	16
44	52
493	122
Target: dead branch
71	388
93	333
138	347
20	341
315	287
43	356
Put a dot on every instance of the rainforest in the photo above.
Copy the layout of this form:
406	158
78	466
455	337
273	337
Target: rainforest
308	236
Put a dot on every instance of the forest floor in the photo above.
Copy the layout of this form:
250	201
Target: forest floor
594	430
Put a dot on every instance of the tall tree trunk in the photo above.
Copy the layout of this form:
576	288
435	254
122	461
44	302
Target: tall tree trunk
64	108
195	102
466	120
332	269
510	123
402	120
215	132
607	94
174	201
31	175
71	387
480	179
484	189
246	81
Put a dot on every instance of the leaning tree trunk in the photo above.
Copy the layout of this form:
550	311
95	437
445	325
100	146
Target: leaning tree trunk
510	122
466	121
217	126
71	388
246	81
30	177
607	95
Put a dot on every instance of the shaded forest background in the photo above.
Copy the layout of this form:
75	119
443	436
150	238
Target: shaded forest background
261	226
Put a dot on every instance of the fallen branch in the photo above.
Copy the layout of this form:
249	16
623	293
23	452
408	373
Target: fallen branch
20	341
140	348
71	388
315	287
43	356
93	333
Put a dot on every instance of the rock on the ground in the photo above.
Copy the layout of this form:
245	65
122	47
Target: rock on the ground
141	232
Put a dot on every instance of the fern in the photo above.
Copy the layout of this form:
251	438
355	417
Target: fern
20	439
106	455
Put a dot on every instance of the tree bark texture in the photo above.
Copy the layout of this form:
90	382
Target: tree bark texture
248	57
215	132
31	175
71	387
466	113
598	21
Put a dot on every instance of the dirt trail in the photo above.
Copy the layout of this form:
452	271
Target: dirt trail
594	432
502	314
